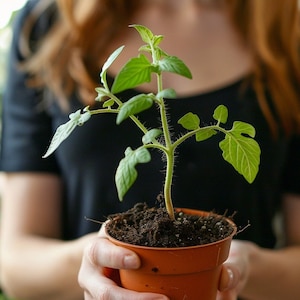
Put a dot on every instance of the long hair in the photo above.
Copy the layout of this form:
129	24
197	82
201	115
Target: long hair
69	57
271	30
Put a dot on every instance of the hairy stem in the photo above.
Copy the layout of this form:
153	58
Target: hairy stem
169	153
168	184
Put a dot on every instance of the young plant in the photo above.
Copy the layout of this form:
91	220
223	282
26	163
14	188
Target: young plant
238	146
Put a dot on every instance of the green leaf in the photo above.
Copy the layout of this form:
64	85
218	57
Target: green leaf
145	48
167	93
108	63
160	52
151	135
102	94
242	152
204	134
134	106
63	131
135	72
189	121
174	65
157	40
145	33
109	103
240	127
126	173
221	114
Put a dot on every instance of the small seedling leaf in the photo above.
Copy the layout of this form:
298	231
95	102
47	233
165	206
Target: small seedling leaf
151	135
134	106
167	93
63	131
161	53
108	63
145	48
145	33
135	72
109	103
221	114
102	94
241	151
240	127
189	121
126	173
204	134
174	65
157	40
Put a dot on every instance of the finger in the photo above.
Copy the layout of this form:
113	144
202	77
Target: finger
230	277
117	293
227	295
102	232
97	287
102	252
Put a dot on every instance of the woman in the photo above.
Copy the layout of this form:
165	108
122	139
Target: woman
243	54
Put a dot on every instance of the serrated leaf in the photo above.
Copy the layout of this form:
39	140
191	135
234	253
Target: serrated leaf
174	65
167	93
63	131
221	114
242	152
126	173
108	63
135	72
151	135
134	106
240	127
204	134
189	121
144	32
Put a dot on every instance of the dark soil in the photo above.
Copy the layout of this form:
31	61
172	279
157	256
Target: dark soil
152	227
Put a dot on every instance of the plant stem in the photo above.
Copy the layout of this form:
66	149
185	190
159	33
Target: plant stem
168	183
169	152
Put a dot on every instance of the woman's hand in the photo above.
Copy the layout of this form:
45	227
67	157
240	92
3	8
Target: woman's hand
235	270
102	259
98	274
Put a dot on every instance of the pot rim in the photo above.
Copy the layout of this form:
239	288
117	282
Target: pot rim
233	225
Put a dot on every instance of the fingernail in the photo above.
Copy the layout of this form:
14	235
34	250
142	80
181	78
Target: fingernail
230	277
131	262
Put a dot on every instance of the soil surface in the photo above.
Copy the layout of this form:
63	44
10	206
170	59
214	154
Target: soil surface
152	227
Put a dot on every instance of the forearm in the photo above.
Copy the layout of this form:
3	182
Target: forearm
273	274
36	268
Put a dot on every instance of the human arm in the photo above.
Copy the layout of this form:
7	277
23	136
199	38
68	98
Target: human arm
35	263
266	273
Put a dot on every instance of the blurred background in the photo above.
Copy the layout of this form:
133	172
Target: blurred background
8	9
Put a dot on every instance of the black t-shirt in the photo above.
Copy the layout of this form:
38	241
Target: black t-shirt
87	160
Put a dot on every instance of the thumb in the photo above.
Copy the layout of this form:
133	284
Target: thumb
229	278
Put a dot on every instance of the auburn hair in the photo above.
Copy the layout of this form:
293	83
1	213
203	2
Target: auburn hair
68	57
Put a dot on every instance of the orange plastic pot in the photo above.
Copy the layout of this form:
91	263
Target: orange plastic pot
186	273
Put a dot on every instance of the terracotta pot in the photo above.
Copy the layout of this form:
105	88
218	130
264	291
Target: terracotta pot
180	273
